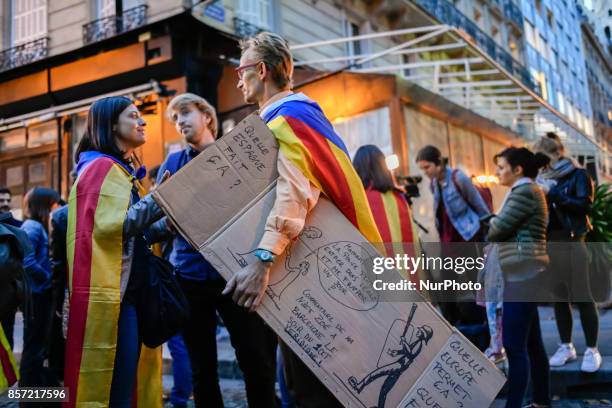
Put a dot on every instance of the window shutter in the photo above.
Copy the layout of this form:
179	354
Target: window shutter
256	12
106	8
29	20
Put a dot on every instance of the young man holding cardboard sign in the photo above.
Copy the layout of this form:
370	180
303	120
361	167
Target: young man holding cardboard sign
312	160
195	119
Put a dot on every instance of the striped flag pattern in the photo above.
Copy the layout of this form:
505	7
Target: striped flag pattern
8	368
394	221
98	205
308	139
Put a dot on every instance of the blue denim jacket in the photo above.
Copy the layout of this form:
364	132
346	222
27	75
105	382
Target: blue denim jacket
464	216
36	262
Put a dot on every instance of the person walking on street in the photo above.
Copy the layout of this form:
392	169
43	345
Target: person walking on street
196	120
570	193
458	207
38	203
7	318
520	232
107	221
312	160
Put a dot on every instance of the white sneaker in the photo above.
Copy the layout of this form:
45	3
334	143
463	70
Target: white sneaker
565	353
591	361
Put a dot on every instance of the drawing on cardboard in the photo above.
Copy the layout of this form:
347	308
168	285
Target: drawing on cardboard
276	289
340	266
395	358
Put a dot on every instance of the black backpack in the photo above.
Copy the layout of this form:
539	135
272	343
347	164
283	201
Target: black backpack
14	243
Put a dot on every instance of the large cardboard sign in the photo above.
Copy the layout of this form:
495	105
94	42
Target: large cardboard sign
320	300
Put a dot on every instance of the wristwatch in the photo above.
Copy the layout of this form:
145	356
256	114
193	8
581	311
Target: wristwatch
264	255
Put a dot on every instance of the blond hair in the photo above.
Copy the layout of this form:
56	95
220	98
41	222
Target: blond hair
550	145
274	51
202	104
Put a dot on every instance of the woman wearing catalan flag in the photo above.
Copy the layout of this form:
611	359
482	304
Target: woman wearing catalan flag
312	161
106	365
389	206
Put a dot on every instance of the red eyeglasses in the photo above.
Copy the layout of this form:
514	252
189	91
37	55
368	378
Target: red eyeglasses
240	70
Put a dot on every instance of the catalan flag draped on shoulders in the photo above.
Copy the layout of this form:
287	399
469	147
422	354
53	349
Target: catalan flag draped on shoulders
99	268
8	369
308	139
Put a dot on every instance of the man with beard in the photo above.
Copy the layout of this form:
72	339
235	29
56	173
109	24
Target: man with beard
195	119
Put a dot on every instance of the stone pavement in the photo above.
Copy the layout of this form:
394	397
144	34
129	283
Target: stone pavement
571	388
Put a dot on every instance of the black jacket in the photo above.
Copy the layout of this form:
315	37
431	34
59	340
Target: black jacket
569	203
58	251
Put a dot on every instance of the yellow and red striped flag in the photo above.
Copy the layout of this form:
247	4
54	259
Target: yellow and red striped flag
98	205
8	369
308	139
393	218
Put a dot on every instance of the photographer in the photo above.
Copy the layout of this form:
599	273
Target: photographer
458	207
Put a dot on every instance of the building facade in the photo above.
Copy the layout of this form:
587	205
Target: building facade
60	55
599	78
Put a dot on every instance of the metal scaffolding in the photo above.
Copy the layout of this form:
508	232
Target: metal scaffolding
447	61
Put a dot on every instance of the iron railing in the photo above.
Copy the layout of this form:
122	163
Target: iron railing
447	13
244	29
514	14
24	54
107	27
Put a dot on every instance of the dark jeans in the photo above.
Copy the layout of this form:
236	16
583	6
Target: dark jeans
55	343
181	372
253	341
126	358
304	387
570	268
35	334
526	354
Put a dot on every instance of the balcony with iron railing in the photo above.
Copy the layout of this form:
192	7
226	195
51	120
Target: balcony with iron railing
23	54
447	13
244	29
107	27
514	14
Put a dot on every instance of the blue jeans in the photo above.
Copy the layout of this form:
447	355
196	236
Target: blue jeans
126	358
286	400
526	354
181	371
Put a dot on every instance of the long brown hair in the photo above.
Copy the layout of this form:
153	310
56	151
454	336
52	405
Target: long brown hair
38	202
371	167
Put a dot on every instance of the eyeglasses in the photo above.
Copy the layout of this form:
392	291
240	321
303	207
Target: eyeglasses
240	70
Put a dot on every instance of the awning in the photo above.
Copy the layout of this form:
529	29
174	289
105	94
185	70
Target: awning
134	92
452	63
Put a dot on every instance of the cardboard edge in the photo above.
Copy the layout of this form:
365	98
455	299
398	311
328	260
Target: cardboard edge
239	214
168	213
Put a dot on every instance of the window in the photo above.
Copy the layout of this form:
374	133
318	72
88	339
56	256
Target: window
550	19
42	133
29	20
257	12
353	47
106	8
530	33
496	34
13	139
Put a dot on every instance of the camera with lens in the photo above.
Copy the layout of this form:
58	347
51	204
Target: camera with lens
411	186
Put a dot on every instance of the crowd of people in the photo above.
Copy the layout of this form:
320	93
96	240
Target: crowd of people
82	262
